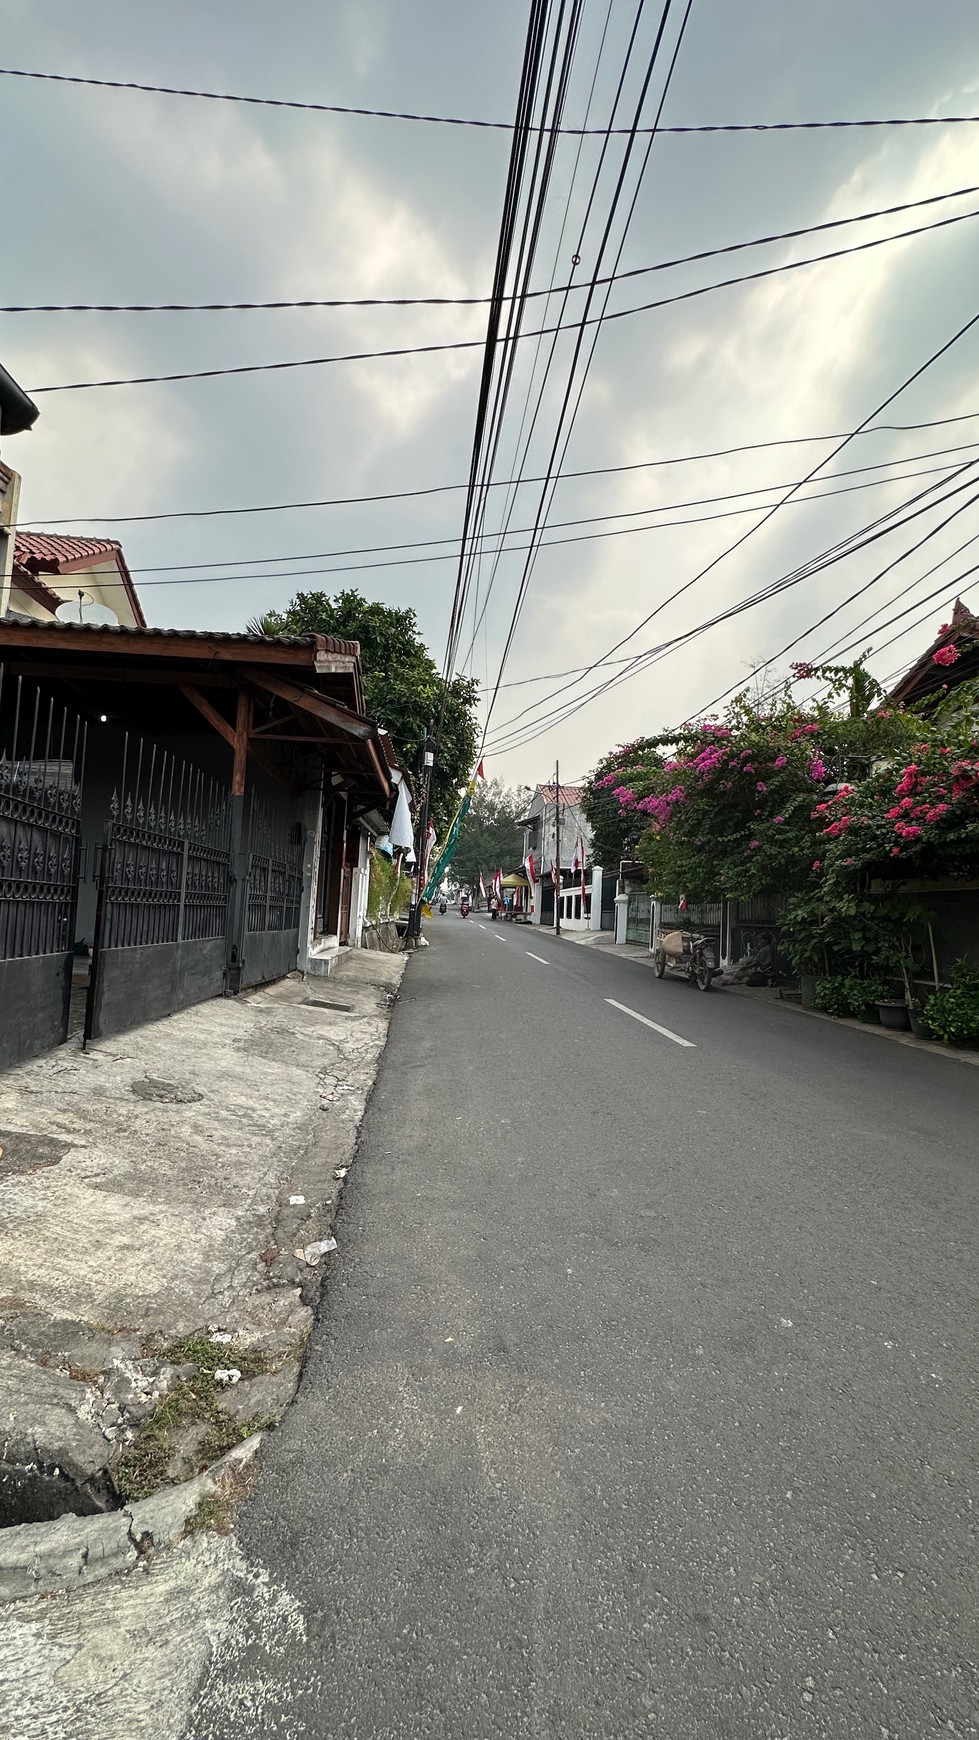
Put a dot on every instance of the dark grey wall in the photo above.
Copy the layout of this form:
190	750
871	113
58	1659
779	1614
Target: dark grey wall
34	996
137	985
269	954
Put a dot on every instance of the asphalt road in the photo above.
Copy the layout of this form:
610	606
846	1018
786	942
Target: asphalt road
643	1399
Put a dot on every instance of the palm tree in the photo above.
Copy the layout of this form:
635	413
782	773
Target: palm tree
267	624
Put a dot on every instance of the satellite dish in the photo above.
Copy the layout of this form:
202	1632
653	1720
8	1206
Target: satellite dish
86	610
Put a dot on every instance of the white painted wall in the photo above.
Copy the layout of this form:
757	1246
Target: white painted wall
359	885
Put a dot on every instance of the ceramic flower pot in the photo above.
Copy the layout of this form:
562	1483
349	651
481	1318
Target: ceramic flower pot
894	1015
918	1027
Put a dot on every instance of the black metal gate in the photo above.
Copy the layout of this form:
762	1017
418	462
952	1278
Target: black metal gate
42	754
275	886
164	889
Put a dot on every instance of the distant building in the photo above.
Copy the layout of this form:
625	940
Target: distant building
549	805
540	825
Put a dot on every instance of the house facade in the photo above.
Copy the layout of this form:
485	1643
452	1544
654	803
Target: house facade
182	815
47	574
554	813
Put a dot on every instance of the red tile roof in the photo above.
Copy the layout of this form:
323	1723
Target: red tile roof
569	794
927	675
40	553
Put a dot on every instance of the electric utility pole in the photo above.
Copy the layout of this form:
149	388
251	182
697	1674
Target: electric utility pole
557	848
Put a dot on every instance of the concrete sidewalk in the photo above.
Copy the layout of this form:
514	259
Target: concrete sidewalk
162	1196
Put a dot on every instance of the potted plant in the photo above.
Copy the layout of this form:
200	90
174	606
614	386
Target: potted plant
893	1012
912	962
952	1014
847	994
802	938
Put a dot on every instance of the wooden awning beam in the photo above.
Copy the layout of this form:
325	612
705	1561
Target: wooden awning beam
350	723
211	714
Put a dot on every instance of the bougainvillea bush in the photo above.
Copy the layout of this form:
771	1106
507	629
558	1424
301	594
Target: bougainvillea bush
726	805
834	804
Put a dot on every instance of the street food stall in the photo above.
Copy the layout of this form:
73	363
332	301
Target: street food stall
516	897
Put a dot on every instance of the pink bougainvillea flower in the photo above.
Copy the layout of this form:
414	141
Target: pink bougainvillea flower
817	863
895	851
761	786
946	655
780	761
817	768
776	820
753	847
803	669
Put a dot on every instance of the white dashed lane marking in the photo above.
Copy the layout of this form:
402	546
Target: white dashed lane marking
653	1024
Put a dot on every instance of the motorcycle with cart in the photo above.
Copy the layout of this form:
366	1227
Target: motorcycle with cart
687	954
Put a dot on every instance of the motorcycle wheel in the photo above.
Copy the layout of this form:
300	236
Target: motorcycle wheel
705	978
659	963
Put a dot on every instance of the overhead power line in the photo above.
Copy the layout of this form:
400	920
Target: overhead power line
574	706
196	578
278	507
895	519
466	121
578	369
478	301
591	519
478	343
865	587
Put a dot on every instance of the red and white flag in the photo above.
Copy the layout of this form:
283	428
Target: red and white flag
682	903
479	771
530	871
429	843
498	884
482	886
579	865
555	874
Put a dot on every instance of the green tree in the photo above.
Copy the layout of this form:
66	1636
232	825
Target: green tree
616	830
489	838
402	684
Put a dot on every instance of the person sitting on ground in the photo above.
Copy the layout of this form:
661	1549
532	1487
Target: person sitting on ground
756	968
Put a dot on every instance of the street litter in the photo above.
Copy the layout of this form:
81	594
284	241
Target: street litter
341	1171
227	1374
312	1253
294	1200
220	1336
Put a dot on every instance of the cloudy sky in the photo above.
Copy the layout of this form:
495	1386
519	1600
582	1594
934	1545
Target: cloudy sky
114	196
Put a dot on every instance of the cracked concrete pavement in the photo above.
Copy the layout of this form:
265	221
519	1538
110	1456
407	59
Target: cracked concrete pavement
164	1185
